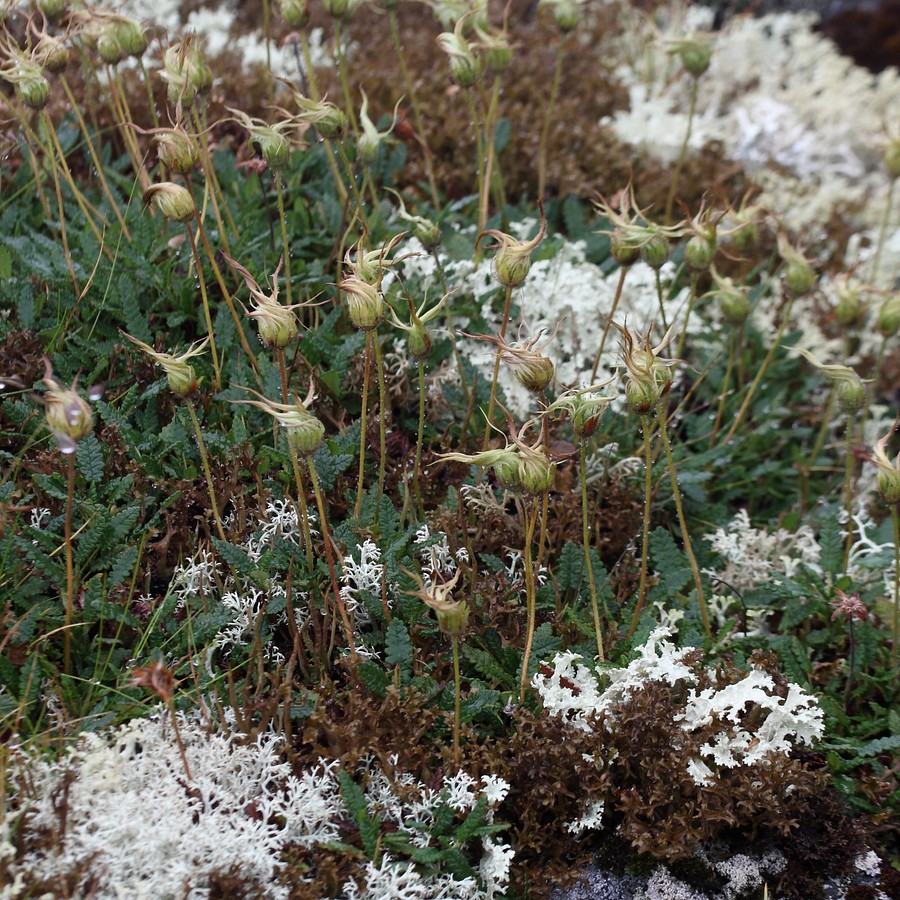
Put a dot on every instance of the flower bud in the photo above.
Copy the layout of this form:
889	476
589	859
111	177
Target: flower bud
305	433
892	159
177	150
498	58
641	396
512	263
52	53
887	475
746	237
655	250
533	371
465	69
453	622
735	305
295	13
341	10
419	342
848	309
68	415
889	316
274	147
699	252
536	472
52	9
110	47
567	15
695	57
365	303
624	252
172	200
799	277
851	395
332	122
31	84
131	36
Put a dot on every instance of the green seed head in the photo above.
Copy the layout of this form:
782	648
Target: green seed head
851	395
131	36
295	13
536	472
699	252
889	316
52	9
172	200
655	250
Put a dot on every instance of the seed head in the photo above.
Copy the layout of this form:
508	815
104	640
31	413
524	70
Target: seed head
452	615
277	324
799	275
649	378
365	303
29	81
889	316
180	373
304	431
848	385
848	309
887	476
848	607
585	407
465	66
67	413
177	150
566	12
371	139
694	52
172	200
512	263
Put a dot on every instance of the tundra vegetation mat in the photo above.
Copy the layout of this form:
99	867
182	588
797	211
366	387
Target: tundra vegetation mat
445	447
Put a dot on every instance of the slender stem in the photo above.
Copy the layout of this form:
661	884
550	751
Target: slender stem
623	271
585	540
548	118
345	80
851	675
882	231
63	233
410	88
329	555
530	597
661	300
362	426
95	160
645	543
760	374
685	534
303	513
382	423
456	701
848	490
178	740
354	187
70	565
823	432
687	316
211	186
490	157
479	149
723	391
207	472
507	303
245	345
895	628
420	434
151	100
676	175
206	313
286	247
463	382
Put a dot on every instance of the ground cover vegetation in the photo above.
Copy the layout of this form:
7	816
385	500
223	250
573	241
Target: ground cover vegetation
452	449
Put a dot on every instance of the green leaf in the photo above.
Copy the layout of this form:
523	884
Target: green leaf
398	648
880	745
374	678
93	538
123	566
329	465
569	567
235	556
669	561
473	821
832	544
89	457
355	801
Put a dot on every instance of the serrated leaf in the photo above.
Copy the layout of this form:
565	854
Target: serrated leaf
398	648
457	865
477	703
569	567
487	666
92	538
374	678
90	459
123	566
880	745
49	568
235	556
831	557
122	523
669	561
329	465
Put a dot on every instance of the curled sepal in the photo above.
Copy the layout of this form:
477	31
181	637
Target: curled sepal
848	385
585	406
452	615
180	373
513	260
304	431
887	475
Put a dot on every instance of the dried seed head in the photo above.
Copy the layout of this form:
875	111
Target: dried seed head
277	324
465	66
51	53
172	200
452	615
109	47
649	378
371	139
185	72
536	472
29	81
848	385
52	9
585	407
